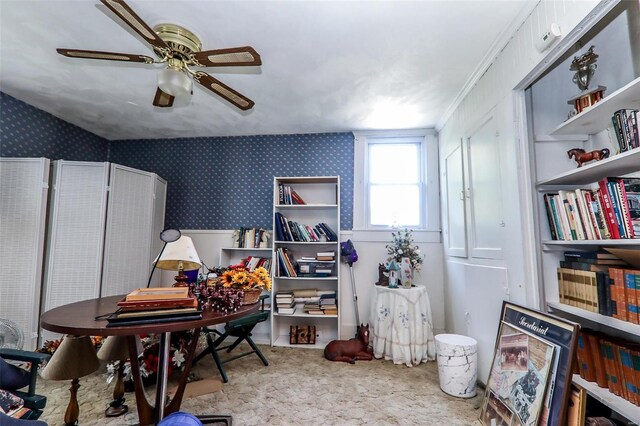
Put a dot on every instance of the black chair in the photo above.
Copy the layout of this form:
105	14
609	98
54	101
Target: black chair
240	329
33	401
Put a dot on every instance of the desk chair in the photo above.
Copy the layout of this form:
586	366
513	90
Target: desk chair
34	402
240	329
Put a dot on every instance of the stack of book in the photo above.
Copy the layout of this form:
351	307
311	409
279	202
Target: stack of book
610	209
324	304
155	305
600	282
311	267
285	266
612	363
285	302
326	255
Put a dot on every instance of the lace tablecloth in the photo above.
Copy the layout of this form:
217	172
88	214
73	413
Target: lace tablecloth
402	325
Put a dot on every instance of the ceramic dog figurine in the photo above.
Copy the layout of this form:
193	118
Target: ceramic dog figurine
350	350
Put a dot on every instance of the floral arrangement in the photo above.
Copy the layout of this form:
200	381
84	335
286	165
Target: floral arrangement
402	246
242	279
50	346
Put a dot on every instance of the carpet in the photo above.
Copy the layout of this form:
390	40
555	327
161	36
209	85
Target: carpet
299	387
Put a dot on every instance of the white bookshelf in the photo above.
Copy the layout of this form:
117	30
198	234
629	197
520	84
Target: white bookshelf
322	195
617	404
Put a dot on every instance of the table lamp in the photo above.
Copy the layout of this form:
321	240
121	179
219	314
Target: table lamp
115	348
179	256
74	358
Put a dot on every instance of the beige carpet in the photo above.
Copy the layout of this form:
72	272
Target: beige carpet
299	387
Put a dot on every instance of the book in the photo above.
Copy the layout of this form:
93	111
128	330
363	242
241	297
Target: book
556	234
158	293
154	320
631	189
119	314
287	311
603	195
120	317
145	305
297	199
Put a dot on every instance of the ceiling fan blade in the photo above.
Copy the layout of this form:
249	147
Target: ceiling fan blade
162	99
232	57
122	9
109	56
223	90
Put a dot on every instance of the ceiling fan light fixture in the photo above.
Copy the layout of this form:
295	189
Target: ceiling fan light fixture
174	82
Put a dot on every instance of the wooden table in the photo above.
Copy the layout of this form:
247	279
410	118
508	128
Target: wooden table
80	319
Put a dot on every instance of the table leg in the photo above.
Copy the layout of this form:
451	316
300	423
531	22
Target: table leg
163	372
145	410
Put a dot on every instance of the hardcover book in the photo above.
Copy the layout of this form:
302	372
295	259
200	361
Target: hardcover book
158	293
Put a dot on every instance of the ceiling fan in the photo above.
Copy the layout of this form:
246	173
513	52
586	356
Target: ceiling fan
180	50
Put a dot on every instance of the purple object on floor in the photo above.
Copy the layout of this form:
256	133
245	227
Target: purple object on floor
180	418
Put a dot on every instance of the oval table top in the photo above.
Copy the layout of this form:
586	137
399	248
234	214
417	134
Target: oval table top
79	319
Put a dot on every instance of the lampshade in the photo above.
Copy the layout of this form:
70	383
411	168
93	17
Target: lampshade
116	348
179	253
174	82
74	358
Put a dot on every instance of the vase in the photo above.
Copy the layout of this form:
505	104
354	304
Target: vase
406	272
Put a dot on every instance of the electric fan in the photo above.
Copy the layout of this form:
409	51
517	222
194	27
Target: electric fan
10	335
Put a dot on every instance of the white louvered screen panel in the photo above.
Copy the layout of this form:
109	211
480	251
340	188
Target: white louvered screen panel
129	229
23	204
76	233
158	225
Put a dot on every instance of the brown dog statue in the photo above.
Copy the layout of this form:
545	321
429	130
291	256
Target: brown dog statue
350	350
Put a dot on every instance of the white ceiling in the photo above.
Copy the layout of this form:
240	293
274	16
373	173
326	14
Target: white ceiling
327	65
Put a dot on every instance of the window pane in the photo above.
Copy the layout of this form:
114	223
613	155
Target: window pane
394	163
394	205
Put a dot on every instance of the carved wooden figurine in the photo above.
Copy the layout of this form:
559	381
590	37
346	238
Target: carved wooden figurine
350	350
383	275
581	156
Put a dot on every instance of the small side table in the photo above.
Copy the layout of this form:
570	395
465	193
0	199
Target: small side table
402	325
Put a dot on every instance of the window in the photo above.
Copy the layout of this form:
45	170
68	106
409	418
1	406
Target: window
391	179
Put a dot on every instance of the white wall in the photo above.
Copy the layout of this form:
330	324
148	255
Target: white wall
475	287
370	246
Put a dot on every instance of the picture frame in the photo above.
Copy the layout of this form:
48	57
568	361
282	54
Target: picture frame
521	369
553	331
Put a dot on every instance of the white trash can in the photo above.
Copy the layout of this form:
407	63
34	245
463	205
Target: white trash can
457	358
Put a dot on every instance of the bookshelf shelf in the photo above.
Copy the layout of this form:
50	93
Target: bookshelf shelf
246	249
307	206
617	165
598	117
307	278
284	341
562	245
624	326
322	195
620	405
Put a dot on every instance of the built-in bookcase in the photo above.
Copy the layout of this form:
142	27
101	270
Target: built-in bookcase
321	195
553	131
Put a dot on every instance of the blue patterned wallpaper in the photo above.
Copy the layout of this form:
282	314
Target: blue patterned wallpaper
26	131
227	182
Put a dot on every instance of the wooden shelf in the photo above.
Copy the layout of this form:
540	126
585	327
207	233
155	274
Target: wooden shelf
617	165
598	117
624	326
619	405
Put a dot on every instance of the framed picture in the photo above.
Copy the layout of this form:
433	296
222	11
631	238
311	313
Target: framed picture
519	376
531	369
577	406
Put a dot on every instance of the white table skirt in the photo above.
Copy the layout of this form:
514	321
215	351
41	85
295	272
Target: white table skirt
402	325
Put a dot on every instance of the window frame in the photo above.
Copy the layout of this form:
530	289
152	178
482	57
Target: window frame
429	187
